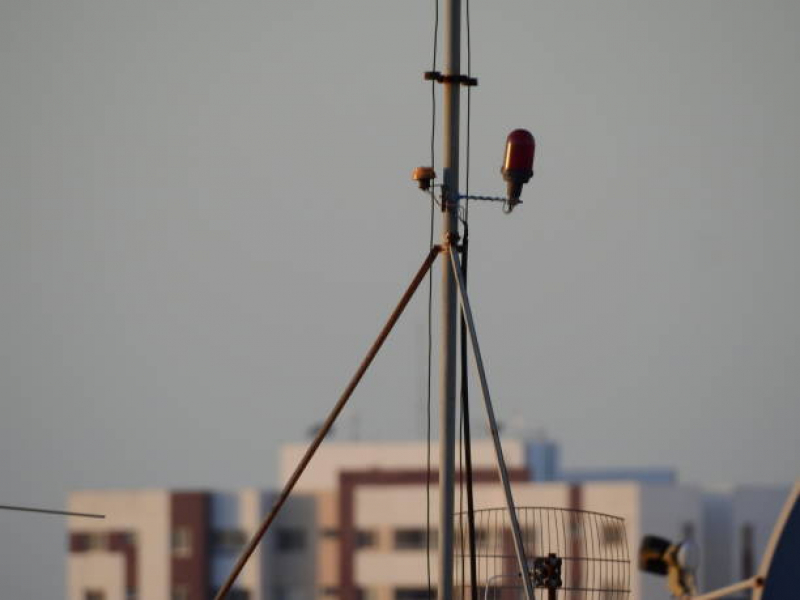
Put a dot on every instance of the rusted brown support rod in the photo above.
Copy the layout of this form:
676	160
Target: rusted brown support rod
312	448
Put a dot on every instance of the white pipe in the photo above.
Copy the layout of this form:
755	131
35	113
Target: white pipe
727	591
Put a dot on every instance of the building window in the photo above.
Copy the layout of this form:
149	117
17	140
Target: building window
236	593
180	592
413	539
228	540
610	593
481	537
748	550
529	534
612	534
329	533
365	593
97	541
366	538
493	592
182	542
288	593
94	595
414	594
329	591
291	540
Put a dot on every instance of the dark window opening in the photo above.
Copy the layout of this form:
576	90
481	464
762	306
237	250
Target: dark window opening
748	550
366	539
228	540
414	594
291	540
413	539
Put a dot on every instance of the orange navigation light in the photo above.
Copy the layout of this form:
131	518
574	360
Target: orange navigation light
423	176
518	163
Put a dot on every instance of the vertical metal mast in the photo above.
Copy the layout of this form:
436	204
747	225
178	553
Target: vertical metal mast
450	201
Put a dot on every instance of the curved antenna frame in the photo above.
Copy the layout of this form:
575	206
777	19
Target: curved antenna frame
757	583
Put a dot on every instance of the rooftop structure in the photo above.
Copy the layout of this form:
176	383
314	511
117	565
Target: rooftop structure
357	526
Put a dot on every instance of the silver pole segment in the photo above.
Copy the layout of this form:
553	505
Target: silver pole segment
447	397
487	402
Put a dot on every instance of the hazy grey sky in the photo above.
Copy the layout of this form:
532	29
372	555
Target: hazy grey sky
207	213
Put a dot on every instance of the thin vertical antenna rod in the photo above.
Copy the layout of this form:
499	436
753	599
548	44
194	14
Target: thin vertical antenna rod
467	440
326	426
450	200
498	448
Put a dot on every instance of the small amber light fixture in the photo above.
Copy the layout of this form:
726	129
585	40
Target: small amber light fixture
424	176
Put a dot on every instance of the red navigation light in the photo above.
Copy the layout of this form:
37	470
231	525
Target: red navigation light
518	164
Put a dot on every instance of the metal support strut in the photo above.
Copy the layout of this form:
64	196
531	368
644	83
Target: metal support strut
326	426
487	402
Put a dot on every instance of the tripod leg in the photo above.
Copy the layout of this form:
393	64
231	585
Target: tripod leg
326	426
487	402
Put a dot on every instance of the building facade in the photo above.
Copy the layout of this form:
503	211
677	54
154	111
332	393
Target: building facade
358	527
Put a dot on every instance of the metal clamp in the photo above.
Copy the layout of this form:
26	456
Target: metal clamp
487	198
462	79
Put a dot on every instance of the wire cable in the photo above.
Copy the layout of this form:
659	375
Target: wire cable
327	425
465	429
469	109
461	495
49	511
430	309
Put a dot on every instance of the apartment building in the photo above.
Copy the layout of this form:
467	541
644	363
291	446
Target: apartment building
358	526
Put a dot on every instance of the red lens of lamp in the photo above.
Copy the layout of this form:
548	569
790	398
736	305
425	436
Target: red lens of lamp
520	148
517	166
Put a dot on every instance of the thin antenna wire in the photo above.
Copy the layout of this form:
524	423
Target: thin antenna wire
48	511
430	308
248	550
464	431
469	110
461	489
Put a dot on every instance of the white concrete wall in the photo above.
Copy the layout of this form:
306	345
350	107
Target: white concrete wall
97	571
334	457
654	509
147	514
619	500
251	512
387	508
327	547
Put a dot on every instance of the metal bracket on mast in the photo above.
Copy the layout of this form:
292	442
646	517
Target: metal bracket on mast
487	402
462	79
